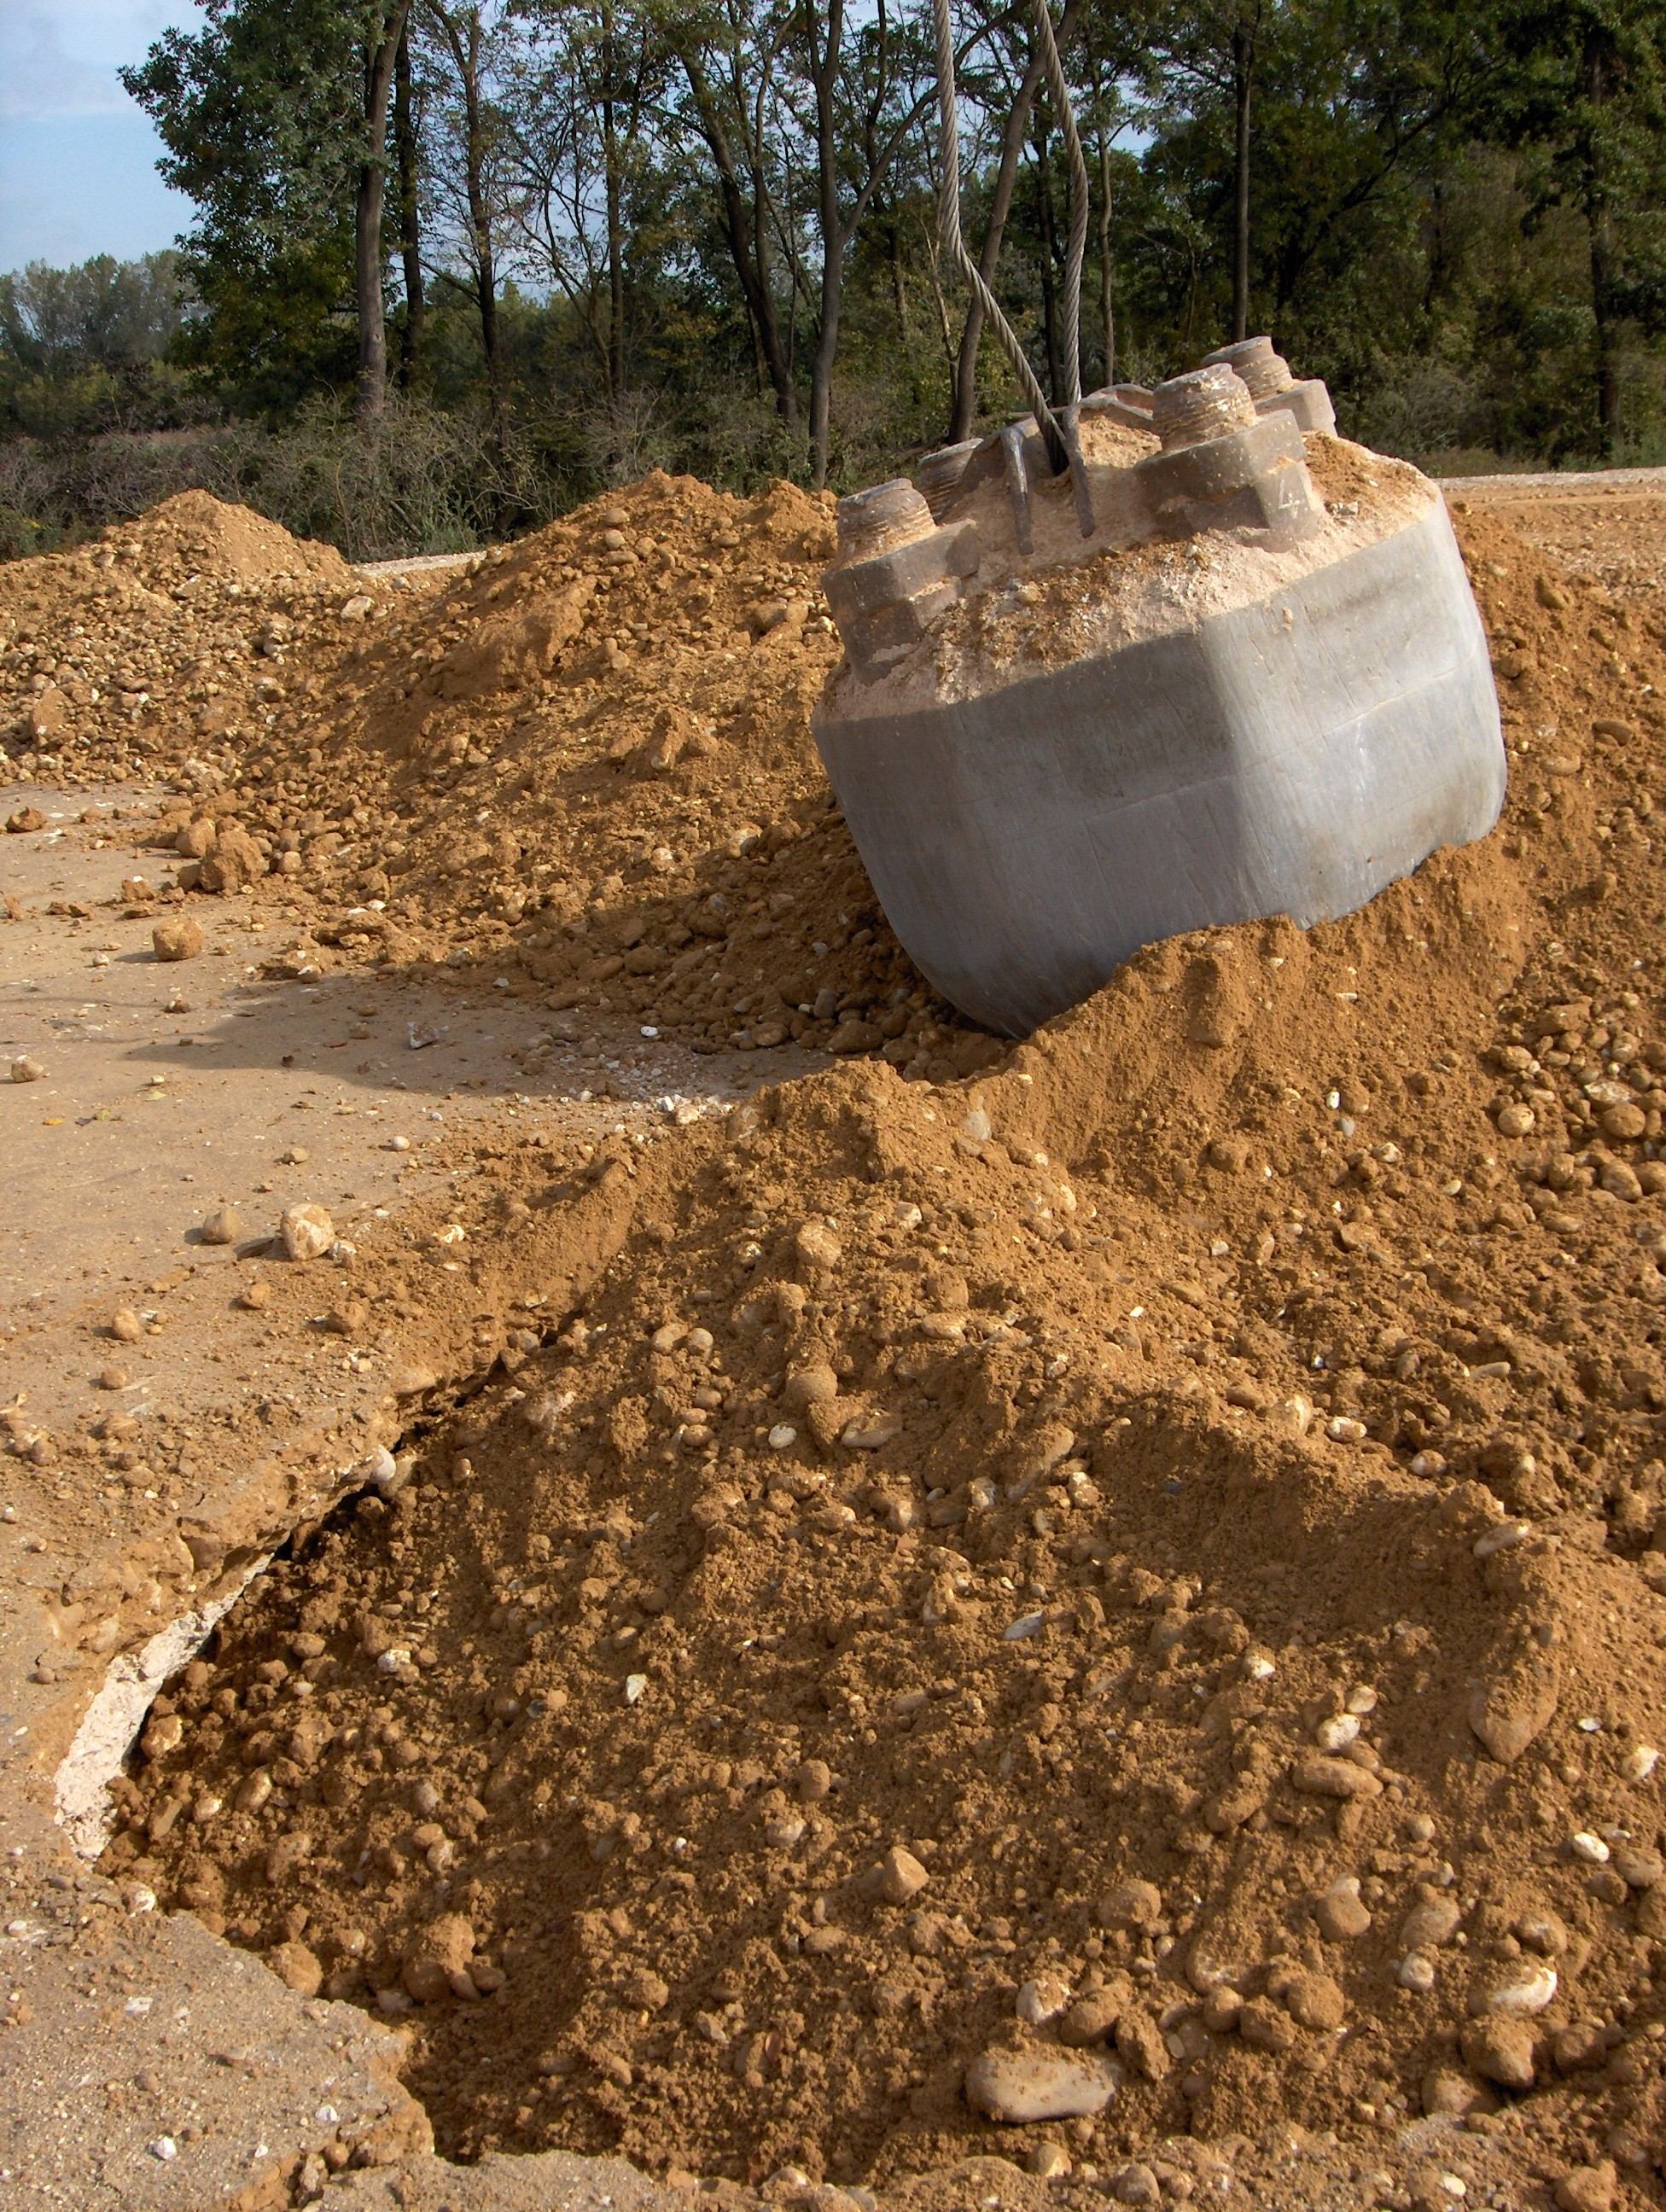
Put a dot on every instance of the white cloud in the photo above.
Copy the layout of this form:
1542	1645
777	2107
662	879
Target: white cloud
61	58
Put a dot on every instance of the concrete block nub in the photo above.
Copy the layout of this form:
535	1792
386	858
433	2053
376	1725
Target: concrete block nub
939	475
1207	402
876	521
1272	387
1265	372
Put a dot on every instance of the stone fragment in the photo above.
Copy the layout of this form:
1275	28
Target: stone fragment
815	1384
1131	1905
1500	2050
1319	1775
1267	2027
296	1967
1091	2018
1139	2043
26	1070
1518	1986
125	1325
1588	2188
223	1226
436	1963
897	1877
1340	1911
1517	1705
1041	2000
1639	1865
306	1232
178	939
1018	2088
817	1248
1447	2095
233	861
1432	1921
1313	2000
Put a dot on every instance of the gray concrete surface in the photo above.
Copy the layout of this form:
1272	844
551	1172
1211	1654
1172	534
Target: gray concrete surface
1290	757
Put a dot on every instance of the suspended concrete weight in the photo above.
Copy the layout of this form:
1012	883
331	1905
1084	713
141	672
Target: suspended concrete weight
1291	754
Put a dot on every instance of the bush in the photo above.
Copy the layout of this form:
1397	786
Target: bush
430	482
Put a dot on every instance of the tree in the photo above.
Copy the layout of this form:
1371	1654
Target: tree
1589	97
468	131
274	117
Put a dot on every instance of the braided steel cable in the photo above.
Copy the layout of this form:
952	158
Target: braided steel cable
954	245
1076	253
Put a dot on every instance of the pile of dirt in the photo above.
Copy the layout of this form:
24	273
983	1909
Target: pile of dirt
163	645
1126	1590
585	762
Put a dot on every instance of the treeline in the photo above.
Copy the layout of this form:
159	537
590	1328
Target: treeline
453	266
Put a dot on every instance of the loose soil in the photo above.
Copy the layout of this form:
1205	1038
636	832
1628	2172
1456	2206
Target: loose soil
585	764
1142	1552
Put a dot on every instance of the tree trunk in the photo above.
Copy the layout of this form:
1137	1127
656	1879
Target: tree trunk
1107	299
1599	231
480	222
1048	226
824	70
1243	70
615	346
368	220
410	217
745	235
964	411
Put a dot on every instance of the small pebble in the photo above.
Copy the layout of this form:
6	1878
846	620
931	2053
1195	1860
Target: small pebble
1340	1911
179	939
125	1325
1040	2000
1520	1986
1019	2086
223	1226
898	1877
306	1232
27	1069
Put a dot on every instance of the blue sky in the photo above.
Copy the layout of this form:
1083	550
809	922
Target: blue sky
77	158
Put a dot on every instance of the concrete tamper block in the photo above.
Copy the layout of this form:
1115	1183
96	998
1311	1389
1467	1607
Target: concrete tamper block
1292	755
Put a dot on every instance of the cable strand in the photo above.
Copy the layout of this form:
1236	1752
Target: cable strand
954	245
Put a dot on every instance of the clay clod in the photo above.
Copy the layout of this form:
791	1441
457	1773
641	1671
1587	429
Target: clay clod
1018	2088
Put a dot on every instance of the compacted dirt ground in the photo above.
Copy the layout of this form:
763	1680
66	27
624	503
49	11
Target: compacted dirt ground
836	1609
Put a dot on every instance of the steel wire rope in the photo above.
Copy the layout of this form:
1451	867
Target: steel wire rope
954	245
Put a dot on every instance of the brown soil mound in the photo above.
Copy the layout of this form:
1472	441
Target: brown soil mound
153	650
1147	1561
585	762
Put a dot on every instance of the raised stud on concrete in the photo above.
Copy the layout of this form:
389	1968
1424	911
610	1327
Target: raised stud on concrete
880	521
1207	402
939	475
1265	372
1272	387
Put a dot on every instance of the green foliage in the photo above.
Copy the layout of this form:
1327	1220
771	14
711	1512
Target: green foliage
261	113
621	211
